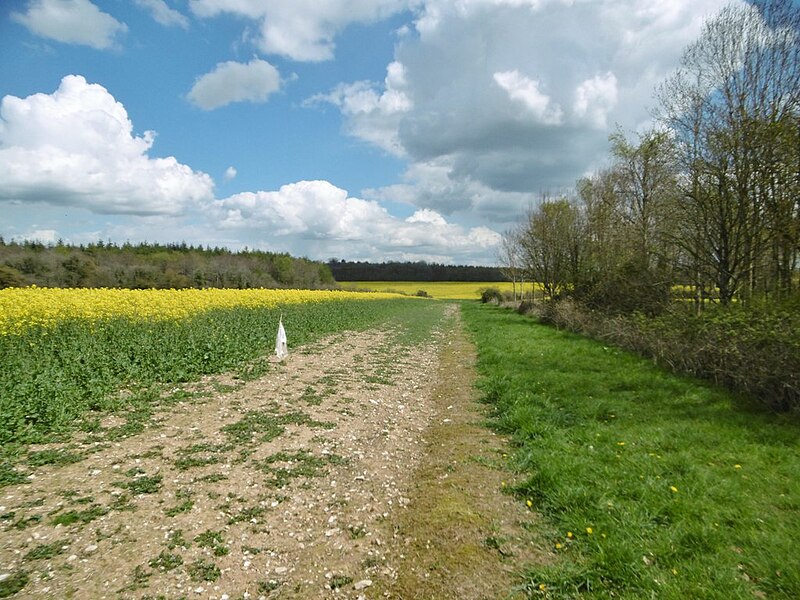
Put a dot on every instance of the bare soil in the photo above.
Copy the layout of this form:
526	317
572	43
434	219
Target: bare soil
356	468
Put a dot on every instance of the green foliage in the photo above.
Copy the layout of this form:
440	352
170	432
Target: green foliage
651	485
491	294
154	266
15	582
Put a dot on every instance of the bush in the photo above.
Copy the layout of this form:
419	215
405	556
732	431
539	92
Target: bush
491	294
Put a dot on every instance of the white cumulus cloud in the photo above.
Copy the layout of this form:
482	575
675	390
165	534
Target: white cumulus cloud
230	173
163	14
76	147
373	114
235	82
322	219
71	22
303	30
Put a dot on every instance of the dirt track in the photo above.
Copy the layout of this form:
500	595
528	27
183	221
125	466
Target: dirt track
355	469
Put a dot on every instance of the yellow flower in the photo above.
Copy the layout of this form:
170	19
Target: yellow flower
620	443
529	503
674	571
589	530
737	466
673	488
569	534
542	587
558	546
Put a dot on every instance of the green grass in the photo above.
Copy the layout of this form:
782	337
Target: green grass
669	487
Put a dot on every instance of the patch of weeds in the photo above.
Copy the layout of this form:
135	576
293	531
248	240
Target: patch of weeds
265	587
45	551
154	452
214	541
370	562
176	540
141	484
251	550
80	516
183	507
299	464
13	584
9	516
122	503
212	478
339	581
257	425
251	514
58	457
10	476
203	570
493	542
200	455
27	521
357	531
264	426
166	561
311	397
139	579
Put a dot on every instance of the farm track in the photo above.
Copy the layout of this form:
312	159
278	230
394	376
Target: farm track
356	469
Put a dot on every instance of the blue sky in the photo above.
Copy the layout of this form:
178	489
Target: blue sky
358	129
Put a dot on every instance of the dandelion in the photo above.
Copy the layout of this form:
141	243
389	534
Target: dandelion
674	489
529	503
558	546
589	530
569	534
737	466
542	587
620	443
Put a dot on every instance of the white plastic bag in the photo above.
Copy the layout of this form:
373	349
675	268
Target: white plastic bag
281	349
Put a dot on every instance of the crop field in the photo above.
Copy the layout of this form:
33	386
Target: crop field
442	290
65	351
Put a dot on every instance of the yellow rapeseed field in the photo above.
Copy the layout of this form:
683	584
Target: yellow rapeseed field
443	290
21	308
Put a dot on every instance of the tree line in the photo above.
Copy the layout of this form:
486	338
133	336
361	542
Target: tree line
344	270
154	266
708	198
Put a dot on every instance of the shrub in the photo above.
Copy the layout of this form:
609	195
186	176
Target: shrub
491	294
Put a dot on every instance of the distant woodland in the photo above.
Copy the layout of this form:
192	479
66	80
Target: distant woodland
410	271
154	266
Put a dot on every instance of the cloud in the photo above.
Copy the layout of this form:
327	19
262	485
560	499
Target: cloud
163	14
323	220
595	98
230	173
235	82
71	22
511	98
302	30
526	90
373	114
76	147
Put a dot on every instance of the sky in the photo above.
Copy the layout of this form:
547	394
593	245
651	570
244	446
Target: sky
354	129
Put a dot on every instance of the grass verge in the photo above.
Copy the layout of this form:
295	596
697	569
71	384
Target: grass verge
652	485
